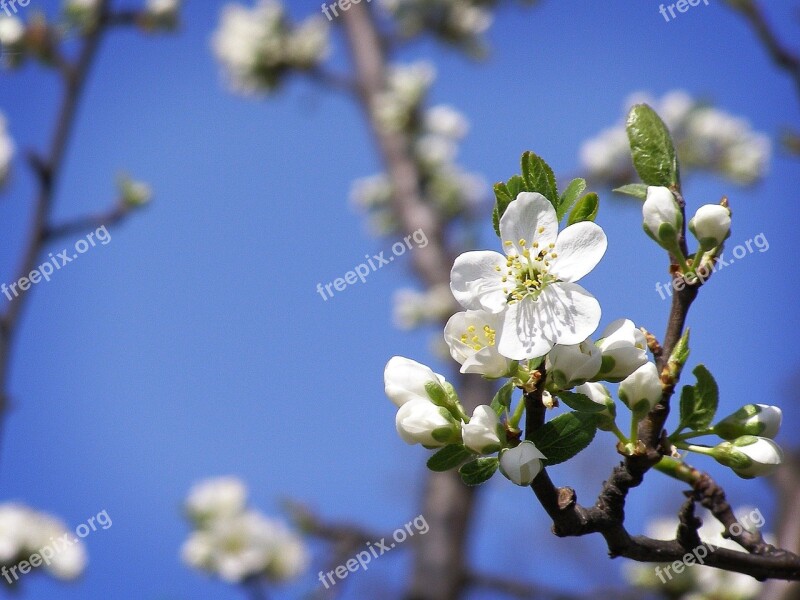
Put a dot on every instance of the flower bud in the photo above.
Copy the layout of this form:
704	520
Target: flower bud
472	339
749	456
481	433
753	419
521	464
662	216
597	392
12	33
642	389
623	348
568	366
405	380
711	225
422	422
134	193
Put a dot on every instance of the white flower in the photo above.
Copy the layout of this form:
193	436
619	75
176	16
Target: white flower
246	545
308	43
24	531
642	389
163	9
446	121
753	419
533	285
469	21
6	151
623	347
750	456
472	339
216	498
521	464
413	308
12	31
480	434
573	365
422	422
597	392
405	380
711	225
662	216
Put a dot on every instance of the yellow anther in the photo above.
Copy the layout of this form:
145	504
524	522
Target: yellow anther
522	242
508	243
541	229
471	328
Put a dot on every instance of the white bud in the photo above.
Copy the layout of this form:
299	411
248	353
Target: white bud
597	393
711	225
422	422
480	434
753	419
662	216
405	379
749	456
642	389
573	365
624	350
521	464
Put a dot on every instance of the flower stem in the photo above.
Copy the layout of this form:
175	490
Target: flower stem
677	470
517	416
617	432
695	448
693	434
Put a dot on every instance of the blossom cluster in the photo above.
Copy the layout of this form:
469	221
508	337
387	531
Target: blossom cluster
237	543
24	532
528	321
706	138
458	22
259	46
434	134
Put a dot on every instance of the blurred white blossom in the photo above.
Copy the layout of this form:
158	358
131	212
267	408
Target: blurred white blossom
24	531
6	151
258	46
413	308
458	22
706	138
236	543
697	582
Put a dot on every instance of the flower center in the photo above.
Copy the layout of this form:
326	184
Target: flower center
527	275
478	342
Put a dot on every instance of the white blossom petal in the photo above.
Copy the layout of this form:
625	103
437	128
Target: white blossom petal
568	313
476	283
578	250
530	217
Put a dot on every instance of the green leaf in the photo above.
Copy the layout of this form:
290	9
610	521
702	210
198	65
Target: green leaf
539	177
502	399
479	470
580	402
505	194
637	190
699	402
707	397
565	436
585	210
651	147
574	190
449	457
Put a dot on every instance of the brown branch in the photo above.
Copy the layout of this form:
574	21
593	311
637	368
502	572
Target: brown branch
782	57
47	170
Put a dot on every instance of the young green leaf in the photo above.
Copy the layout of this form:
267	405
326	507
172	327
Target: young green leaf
637	190
580	402
651	147
479	470
502	399
565	436
574	190
449	457
585	210
539	177
699	402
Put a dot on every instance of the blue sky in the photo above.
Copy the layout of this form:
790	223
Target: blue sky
194	344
